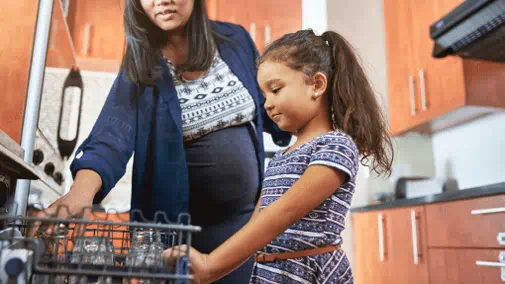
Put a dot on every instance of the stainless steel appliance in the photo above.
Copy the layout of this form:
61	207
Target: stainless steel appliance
12	168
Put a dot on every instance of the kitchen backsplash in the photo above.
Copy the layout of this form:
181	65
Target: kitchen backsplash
472	153
96	88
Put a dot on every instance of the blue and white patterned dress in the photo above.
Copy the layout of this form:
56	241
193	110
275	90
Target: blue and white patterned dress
322	226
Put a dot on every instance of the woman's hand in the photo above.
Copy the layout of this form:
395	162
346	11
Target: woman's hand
75	204
198	261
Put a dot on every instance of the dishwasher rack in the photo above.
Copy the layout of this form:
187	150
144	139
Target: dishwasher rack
39	257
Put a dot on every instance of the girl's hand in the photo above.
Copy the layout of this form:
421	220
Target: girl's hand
198	261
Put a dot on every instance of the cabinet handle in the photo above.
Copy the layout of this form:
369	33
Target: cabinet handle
488	211
423	89
412	96
381	238
490	263
501	265
501	238
252	31
87	31
415	243
268	35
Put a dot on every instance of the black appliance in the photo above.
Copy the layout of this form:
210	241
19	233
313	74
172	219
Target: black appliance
474	29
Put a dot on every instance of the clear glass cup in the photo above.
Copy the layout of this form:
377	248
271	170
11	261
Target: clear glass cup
146	250
92	250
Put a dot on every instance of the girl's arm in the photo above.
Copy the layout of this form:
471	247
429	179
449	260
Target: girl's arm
316	185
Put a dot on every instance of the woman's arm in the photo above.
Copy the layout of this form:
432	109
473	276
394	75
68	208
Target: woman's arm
109	146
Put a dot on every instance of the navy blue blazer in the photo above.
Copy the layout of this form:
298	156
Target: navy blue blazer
148	122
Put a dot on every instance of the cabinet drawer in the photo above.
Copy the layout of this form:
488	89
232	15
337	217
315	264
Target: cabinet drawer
472	223
458	266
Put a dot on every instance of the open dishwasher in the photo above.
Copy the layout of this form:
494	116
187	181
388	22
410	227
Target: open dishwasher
82	251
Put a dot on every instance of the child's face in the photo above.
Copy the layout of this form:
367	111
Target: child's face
288	96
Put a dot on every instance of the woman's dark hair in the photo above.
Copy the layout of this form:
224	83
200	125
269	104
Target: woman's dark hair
354	108
142	60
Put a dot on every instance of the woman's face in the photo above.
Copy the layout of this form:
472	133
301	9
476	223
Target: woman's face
168	15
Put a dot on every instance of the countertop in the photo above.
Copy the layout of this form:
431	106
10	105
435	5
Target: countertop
475	192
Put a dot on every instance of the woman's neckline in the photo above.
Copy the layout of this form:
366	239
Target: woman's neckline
181	77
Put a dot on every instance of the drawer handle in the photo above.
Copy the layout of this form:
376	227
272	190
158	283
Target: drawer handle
501	238
500	264
488	211
493	264
490	263
381	238
415	248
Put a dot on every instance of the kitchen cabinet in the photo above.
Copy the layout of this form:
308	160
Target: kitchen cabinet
97	31
17	19
452	242
454	266
370	248
428	94
60	47
408	252
390	246
266	21
467	223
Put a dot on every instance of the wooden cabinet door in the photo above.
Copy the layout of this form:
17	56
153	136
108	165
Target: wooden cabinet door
266	21
280	17
17	22
440	83
369	230
400	69
478	222
407	249
458	266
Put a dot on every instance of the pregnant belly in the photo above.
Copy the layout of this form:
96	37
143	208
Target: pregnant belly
223	175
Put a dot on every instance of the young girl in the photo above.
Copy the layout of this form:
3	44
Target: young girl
315	88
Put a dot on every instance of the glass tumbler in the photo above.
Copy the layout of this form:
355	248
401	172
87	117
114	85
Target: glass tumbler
145	251
93	250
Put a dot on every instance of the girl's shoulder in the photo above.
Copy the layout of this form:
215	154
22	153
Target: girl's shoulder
335	137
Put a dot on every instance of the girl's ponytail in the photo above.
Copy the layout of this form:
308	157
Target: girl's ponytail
355	109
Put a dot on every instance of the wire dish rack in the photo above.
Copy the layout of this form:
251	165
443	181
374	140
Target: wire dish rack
81	251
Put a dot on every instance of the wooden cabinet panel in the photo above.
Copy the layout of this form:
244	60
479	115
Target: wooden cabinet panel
106	31
266	21
60	45
407	249
440	83
368	266
399	68
457	266
98	33
17	22
427	94
452	224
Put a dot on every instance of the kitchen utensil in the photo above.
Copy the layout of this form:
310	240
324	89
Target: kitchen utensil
73	86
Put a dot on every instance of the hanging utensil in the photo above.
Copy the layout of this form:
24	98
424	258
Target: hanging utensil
72	88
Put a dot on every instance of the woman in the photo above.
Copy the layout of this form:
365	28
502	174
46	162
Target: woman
186	101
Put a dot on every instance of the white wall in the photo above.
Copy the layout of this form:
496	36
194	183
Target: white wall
314	15
472	153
